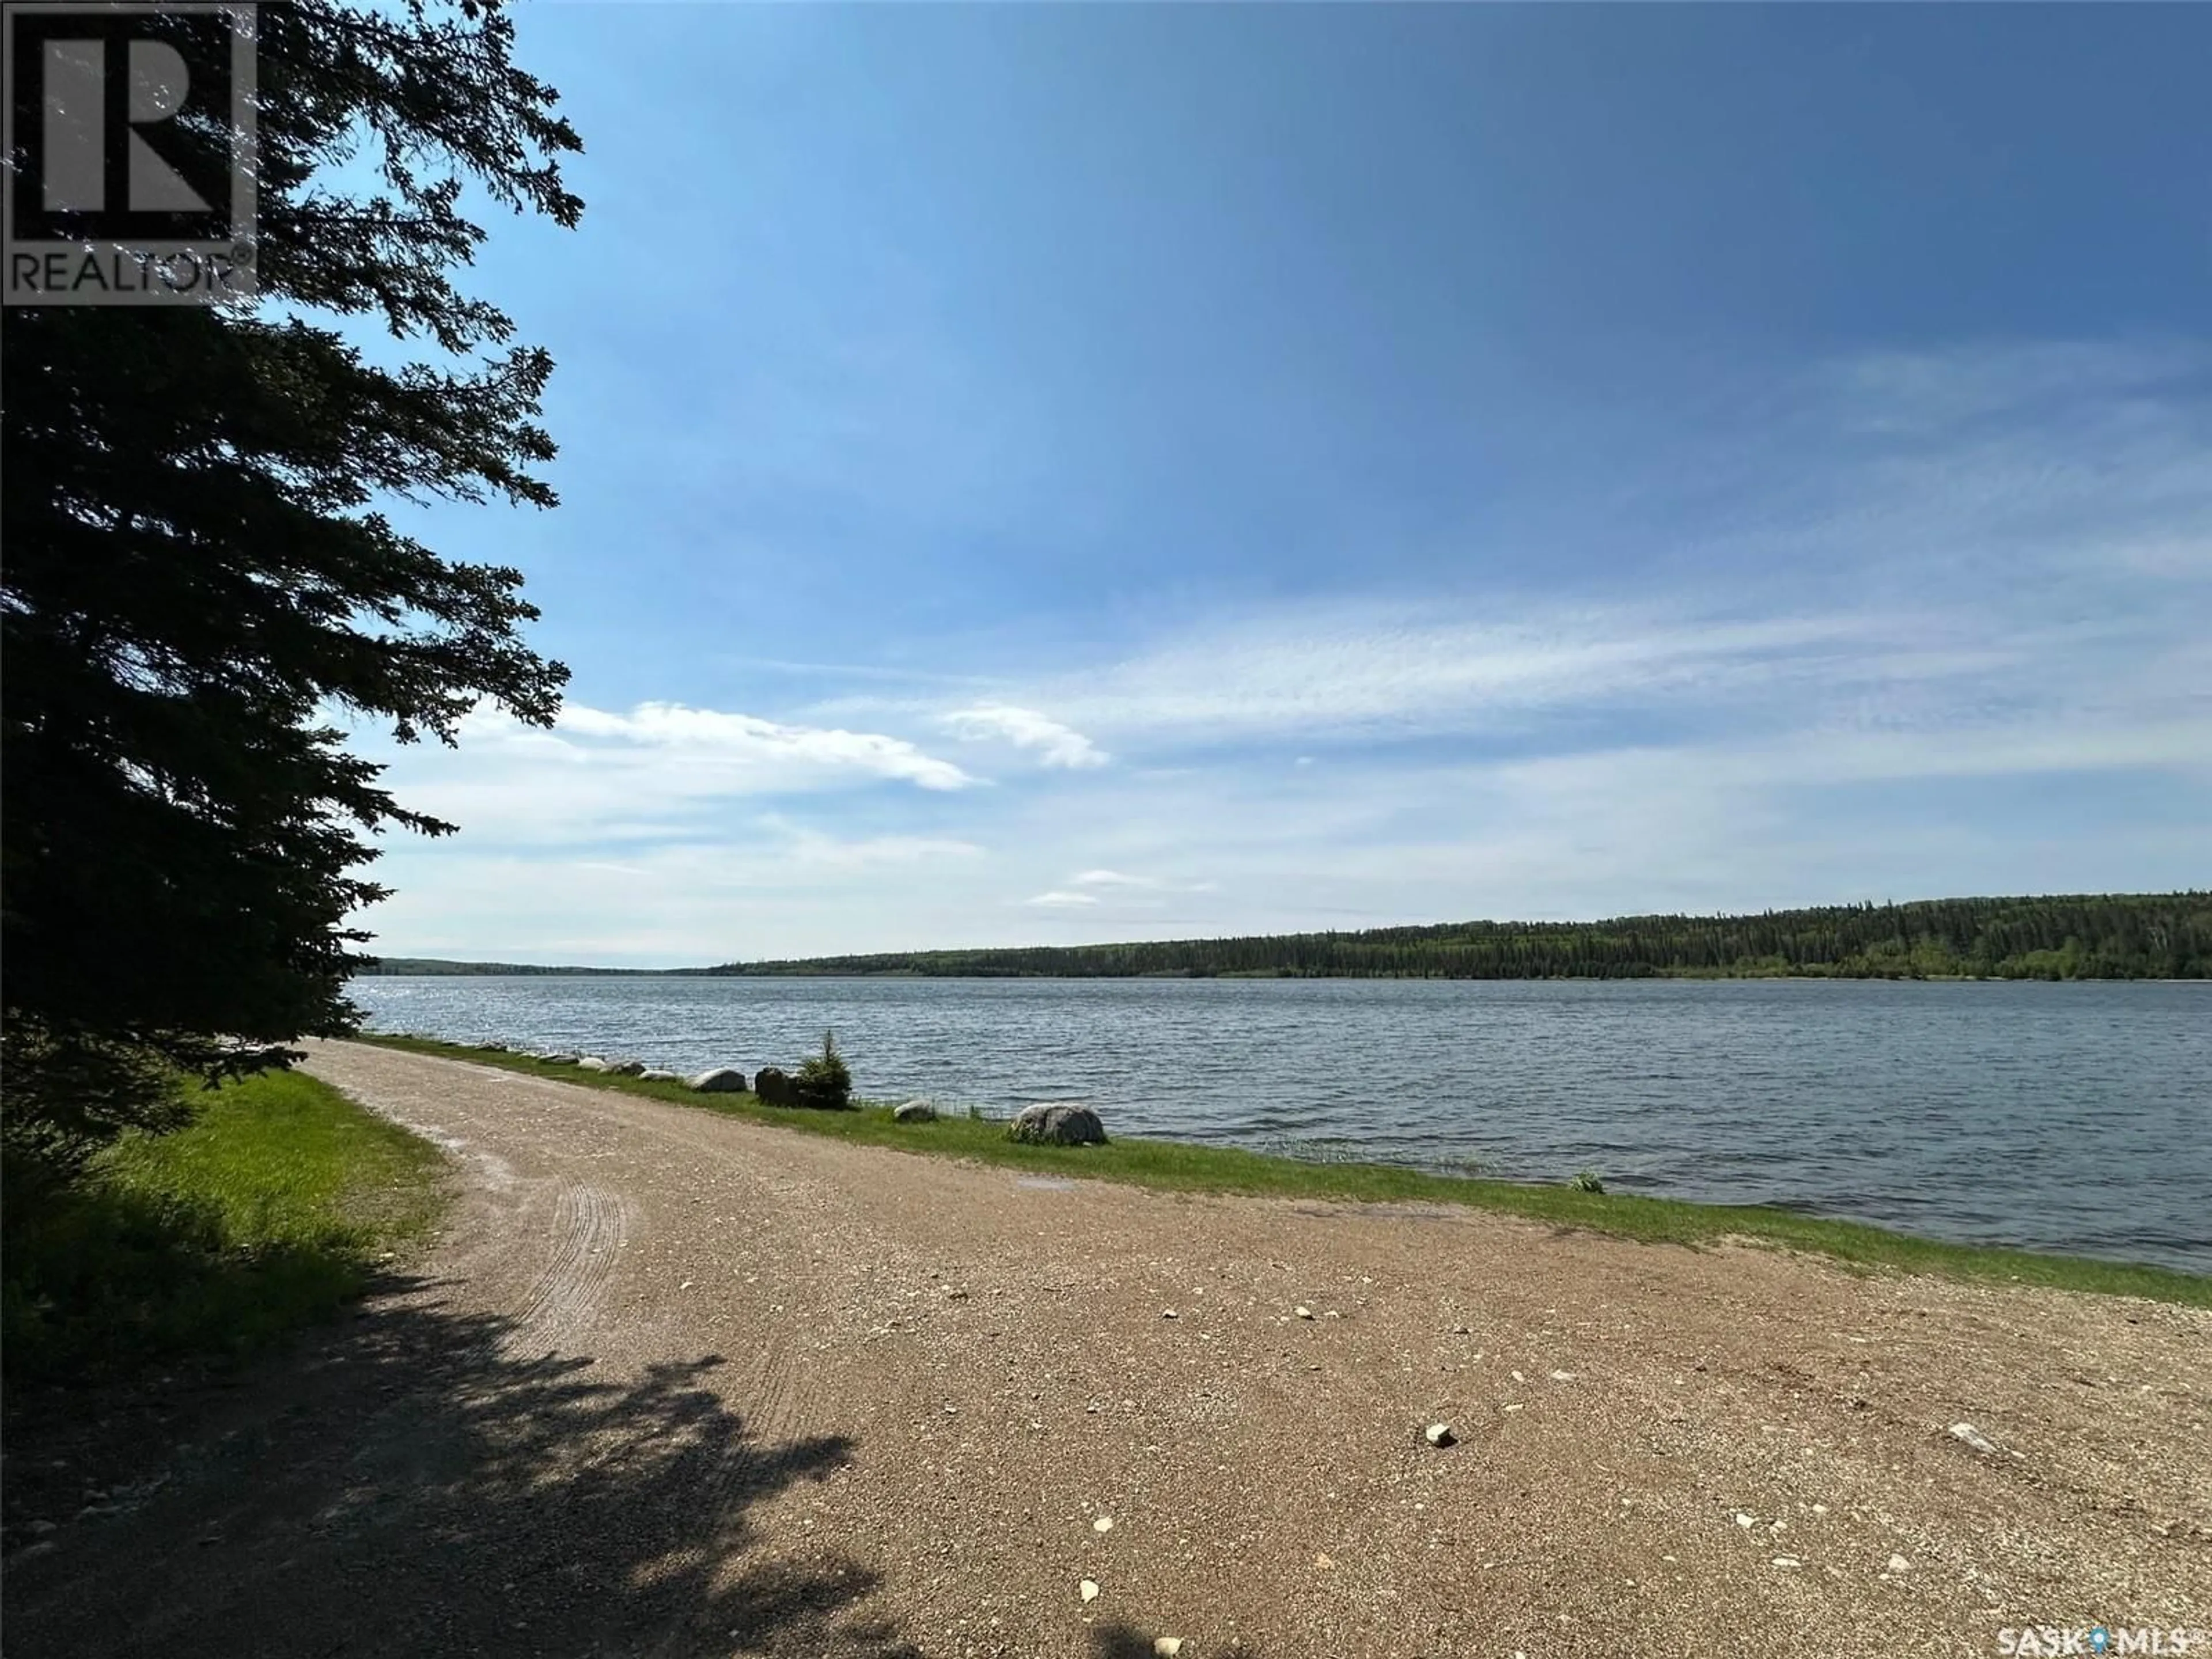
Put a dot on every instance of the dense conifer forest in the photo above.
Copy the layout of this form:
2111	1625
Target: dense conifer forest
2152	937
2149	936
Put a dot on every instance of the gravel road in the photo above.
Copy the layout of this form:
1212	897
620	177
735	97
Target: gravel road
674	1384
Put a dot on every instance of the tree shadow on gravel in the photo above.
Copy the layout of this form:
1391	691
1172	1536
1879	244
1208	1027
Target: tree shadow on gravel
416	1482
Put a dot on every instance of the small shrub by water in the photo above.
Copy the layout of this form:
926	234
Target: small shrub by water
824	1082
1588	1180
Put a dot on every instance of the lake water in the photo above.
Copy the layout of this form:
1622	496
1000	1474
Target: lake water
2067	1117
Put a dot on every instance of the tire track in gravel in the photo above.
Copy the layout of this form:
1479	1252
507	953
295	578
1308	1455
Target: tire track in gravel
589	1227
580	1240
582	1228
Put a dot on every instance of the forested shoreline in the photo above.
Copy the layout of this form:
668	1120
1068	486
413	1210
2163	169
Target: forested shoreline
2129	936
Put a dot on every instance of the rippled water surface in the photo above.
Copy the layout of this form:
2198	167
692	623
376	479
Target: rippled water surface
2074	1117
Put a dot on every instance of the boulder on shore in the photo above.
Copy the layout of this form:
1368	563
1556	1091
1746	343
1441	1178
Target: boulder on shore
775	1087
654	1074
561	1058
1058	1123
625	1067
914	1111
722	1080
593	1063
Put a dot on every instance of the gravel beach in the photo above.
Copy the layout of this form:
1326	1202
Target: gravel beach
671	1383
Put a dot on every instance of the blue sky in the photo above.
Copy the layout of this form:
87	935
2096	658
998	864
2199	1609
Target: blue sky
1056	473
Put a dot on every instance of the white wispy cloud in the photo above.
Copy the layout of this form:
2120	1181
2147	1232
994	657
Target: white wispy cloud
1952	632
1121	881
1122	893
1060	899
1375	668
1054	744
812	849
1942	539
656	770
745	742
1940	393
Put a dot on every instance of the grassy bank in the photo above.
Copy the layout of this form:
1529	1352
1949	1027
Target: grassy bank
269	1211
1182	1167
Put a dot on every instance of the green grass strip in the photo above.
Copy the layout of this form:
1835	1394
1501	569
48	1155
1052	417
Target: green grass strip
1180	1166
271	1210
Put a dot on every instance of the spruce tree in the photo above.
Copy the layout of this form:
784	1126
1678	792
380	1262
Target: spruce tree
200	578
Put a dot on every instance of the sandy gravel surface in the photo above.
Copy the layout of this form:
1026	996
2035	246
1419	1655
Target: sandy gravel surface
675	1384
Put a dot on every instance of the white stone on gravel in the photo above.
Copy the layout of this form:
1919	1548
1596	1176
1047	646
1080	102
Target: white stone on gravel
1103	1523
1089	1591
1972	1437
1167	1646
1787	1561
1745	1521
1898	1564
1304	1313
1439	1434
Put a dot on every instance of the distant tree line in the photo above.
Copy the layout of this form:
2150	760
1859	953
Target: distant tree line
2152	936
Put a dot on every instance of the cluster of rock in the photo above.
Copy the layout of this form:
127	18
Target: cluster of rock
772	1083
1049	1123
716	1080
775	1085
